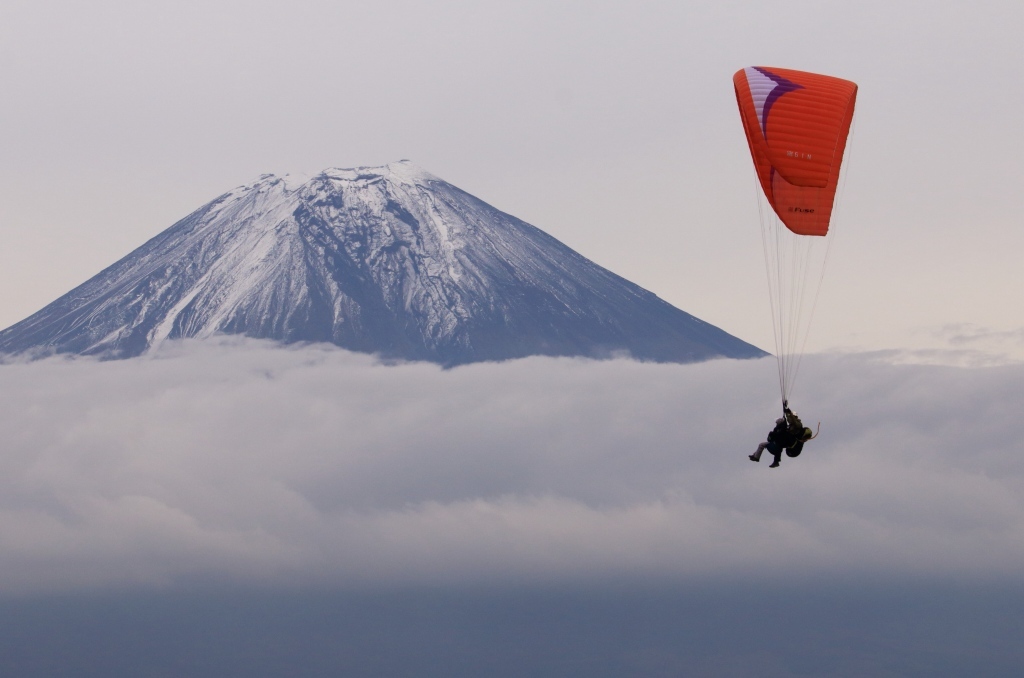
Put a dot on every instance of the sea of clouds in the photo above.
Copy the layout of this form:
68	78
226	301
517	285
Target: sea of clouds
243	462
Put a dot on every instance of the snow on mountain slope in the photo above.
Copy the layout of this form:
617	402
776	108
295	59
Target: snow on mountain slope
390	260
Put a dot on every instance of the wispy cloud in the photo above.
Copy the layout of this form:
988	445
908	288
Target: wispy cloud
961	344
251	463
967	333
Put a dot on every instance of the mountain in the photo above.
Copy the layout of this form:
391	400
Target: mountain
389	260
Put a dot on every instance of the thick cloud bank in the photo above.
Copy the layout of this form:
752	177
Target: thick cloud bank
246	462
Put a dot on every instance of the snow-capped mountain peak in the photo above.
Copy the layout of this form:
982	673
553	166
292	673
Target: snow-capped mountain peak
390	259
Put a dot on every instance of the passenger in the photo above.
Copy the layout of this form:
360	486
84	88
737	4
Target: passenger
778	438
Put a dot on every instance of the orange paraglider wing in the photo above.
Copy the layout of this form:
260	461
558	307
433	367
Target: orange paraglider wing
796	125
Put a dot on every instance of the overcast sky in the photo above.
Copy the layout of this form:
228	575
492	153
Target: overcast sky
610	125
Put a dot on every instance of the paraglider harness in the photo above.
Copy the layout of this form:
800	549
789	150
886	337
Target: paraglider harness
798	433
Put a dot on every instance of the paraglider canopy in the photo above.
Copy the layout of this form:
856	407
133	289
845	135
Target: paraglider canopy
796	125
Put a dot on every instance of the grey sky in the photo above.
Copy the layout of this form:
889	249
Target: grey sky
610	125
247	463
